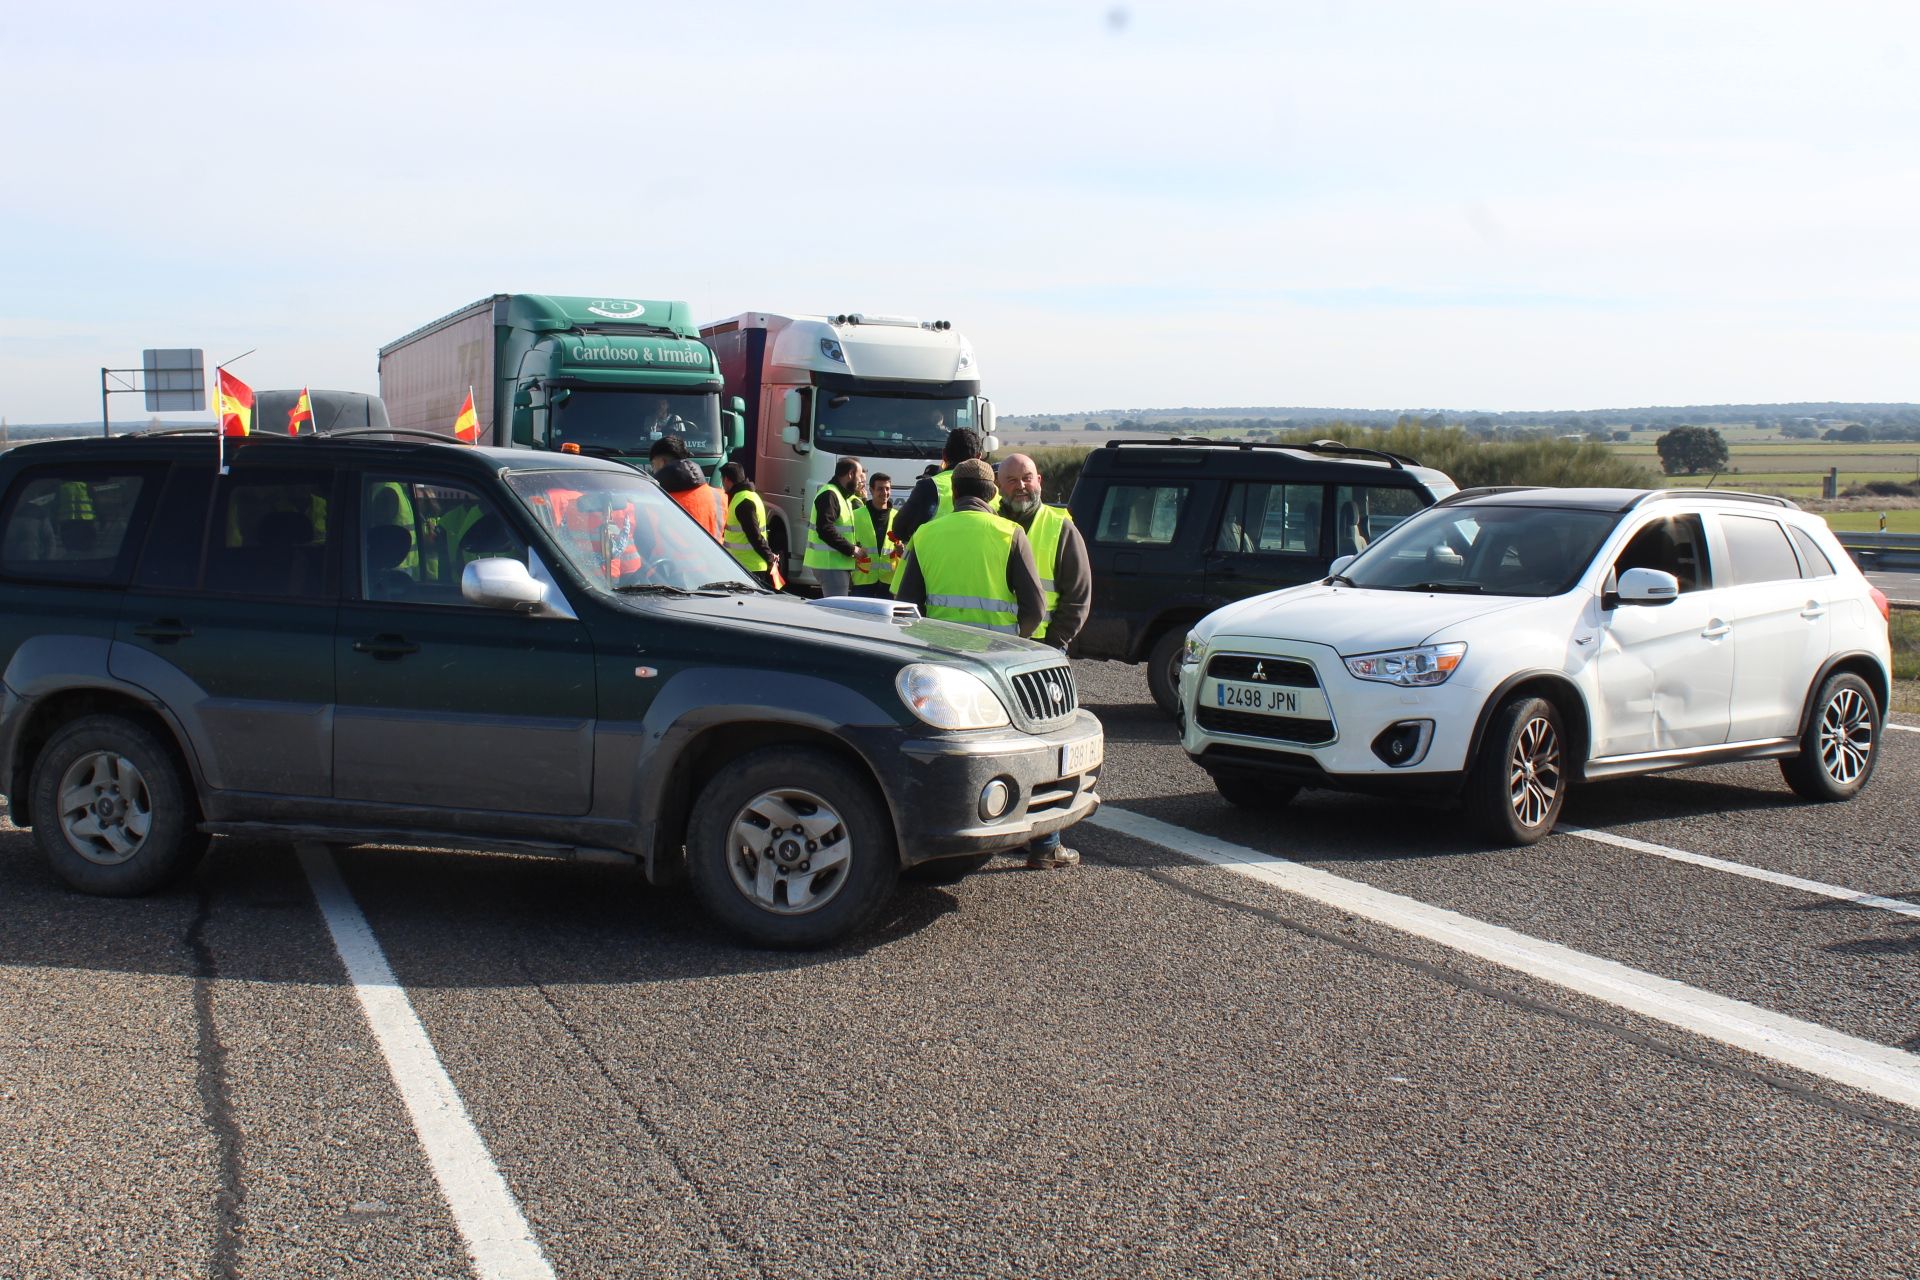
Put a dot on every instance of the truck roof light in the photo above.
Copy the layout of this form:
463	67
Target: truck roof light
903	322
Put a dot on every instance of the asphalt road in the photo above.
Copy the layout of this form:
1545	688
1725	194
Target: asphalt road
1146	1066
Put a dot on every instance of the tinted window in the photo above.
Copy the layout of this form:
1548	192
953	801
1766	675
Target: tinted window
1140	513
170	560
271	534
1361	513
1757	551
71	523
1675	545
418	535
1813	561
1271	518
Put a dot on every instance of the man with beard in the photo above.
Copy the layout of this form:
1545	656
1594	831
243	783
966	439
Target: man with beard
1058	551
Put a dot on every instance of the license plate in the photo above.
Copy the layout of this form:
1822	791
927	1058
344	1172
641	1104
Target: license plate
1079	757
1269	700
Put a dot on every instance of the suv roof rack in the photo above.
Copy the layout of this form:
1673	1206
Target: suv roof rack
1736	495
411	433
1397	461
1483	491
166	431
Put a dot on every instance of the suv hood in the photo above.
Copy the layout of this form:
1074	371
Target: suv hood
1352	619
926	639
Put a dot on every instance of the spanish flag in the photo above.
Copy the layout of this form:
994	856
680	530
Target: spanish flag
466	427
236	406
302	411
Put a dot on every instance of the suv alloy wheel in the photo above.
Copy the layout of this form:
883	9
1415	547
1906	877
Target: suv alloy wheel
111	811
1840	744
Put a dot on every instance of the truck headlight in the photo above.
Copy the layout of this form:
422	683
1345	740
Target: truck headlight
830	348
1427	664
966	357
949	699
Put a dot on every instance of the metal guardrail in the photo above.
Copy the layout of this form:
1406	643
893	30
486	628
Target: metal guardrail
1882	550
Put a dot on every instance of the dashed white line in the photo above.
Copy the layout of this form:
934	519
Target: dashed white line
498	1239
1861	1064
1904	728
1839	892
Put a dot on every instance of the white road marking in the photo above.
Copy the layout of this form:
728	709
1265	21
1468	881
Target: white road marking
1861	1064
1904	728
497	1236
1895	905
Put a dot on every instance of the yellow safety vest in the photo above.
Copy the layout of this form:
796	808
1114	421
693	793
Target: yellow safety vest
963	559
735	538
943	484
819	554
880	569
1049	525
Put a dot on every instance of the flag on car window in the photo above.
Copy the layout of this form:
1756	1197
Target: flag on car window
236	406
302	411
467	426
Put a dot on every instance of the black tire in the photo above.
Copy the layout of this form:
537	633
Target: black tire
1841	743
949	870
1254	793
1163	669
754	794
137	829
1519	784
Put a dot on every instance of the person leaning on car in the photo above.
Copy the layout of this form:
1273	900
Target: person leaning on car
1058	552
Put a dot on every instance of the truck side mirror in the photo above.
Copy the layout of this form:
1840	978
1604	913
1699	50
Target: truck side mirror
986	417
795	407
738	405
792	436
734	423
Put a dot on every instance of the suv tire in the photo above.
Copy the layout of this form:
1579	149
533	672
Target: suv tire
1250	793
111	810
1163	669
759	825
1516	790
1840	744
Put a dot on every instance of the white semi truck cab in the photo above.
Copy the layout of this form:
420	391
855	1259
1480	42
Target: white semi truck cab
881	388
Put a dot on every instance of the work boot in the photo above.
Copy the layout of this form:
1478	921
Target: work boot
1049	859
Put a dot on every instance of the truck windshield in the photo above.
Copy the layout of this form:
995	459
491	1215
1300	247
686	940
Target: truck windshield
628	422
623	533
882	426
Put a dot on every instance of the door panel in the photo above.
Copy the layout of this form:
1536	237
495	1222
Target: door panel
1268	536
1781	628
1666	671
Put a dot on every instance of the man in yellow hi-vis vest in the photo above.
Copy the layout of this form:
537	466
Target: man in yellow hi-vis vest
1066	574
873	529
832	552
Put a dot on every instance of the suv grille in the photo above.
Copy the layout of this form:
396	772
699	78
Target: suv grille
1281	671
1046	694
1279	728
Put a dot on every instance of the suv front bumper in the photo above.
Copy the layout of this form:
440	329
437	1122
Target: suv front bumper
936	787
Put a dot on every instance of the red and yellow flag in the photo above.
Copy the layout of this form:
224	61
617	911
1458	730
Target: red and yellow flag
302	411
236	406
466	427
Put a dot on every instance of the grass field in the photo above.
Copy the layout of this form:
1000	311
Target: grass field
1907	521
1792	469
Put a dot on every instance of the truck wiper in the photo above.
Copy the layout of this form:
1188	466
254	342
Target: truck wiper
651	589
1454	587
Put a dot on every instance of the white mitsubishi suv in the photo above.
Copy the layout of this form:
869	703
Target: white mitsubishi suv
1505	643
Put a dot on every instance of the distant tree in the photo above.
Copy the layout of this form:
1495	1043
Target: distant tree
1621	437
1692	450
1798	430
1090	425
1855	434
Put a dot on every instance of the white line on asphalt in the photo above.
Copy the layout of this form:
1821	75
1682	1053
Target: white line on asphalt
1904	728
498	1238
1861	1064
1895	905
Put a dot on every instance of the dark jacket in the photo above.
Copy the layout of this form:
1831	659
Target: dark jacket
678	477
823	526
749	516
922	505
1022	577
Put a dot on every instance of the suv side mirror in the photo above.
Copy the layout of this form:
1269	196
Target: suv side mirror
1647	586
502	583
1339	565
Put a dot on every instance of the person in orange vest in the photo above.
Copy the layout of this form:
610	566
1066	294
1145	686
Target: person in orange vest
685	482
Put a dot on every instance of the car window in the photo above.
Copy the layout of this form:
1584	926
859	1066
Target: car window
1758	550
1508	551
1813	561
1140	513
621	532
418	535
1271	518
70	524
271	534
1672	544
1362	512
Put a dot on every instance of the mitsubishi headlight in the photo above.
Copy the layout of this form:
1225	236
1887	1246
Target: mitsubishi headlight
1191	653
1427	664
947	698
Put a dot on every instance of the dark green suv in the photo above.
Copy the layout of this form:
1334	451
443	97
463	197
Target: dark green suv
364	639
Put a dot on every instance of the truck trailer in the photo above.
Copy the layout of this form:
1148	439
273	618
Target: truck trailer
883	389
600	376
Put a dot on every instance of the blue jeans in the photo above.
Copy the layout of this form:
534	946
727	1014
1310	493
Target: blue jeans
1043	846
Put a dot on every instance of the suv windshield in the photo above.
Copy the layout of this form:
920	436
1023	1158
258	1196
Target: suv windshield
888	426
1496	551
628	422
623	533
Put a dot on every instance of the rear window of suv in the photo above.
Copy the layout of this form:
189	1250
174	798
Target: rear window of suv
71	524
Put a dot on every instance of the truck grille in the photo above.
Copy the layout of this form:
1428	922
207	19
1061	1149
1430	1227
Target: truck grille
1046	694
1286	672
1279	728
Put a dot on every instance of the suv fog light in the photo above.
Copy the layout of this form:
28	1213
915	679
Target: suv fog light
995	798
1400	745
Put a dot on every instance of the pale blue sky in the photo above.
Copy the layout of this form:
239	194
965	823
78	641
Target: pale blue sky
1481	205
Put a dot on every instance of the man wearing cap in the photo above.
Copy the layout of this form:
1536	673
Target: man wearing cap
1058	552
932	496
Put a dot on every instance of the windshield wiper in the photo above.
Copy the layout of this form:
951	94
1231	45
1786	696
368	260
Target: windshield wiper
1338	578
651	588
1454	587
732	586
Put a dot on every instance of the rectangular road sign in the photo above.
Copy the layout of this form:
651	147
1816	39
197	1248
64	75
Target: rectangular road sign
175	379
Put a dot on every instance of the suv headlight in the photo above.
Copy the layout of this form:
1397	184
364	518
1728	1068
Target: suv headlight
1427	664
949	699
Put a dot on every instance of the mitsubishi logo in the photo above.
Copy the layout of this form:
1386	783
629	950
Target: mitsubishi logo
1259	671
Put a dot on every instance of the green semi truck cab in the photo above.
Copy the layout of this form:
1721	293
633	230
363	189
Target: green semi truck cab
604	377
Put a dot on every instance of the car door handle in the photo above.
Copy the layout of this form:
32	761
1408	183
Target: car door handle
163	630
1813	612
1717	630
386	646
